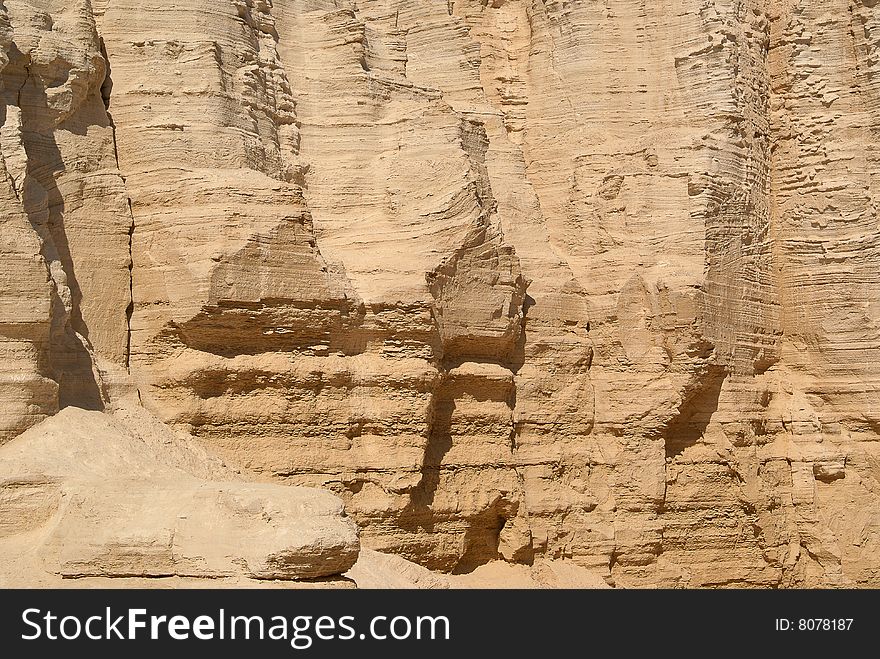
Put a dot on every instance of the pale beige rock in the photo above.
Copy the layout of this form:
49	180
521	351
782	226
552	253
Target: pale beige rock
66	285
85	494
376	570
543	282
543	574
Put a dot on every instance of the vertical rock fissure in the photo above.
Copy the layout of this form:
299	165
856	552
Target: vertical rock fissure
106	95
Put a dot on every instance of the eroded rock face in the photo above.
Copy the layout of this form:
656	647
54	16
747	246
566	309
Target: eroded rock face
520	280
66	220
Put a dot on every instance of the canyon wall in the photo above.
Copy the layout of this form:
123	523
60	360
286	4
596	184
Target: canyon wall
518	280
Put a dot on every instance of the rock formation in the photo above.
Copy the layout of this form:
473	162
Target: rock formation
87	495
582	292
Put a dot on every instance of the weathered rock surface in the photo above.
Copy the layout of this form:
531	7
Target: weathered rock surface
66	221
86	494
377	570
535	281
542	574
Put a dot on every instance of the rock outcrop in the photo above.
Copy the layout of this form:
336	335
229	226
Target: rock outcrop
562	284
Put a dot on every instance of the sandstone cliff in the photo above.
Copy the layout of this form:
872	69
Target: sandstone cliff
550	282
